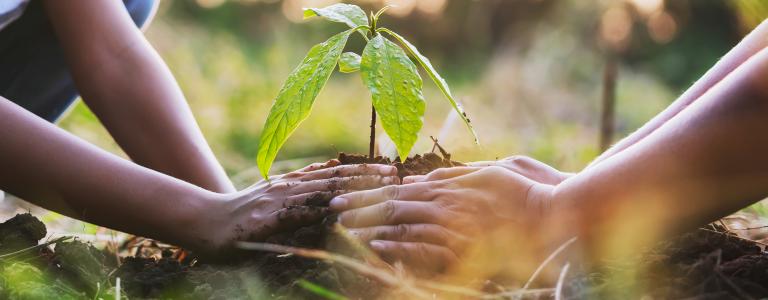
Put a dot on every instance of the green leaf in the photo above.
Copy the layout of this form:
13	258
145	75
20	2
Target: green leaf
439	81
349	14
320	291
294	101
349	63
395	86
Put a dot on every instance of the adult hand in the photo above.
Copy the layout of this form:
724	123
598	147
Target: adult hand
287	202
523	165
427	223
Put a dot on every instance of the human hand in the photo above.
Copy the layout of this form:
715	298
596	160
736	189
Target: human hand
427	224
523	165
287	202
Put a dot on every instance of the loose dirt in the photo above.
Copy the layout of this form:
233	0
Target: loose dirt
708	263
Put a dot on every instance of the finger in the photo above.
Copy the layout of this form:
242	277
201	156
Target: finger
417	256
318	166
390	212
293	217
349	171
410	192
447	173
485	163
424	233
313	198
363	182
414	179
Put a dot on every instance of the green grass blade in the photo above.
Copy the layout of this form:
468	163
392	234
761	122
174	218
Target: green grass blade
320	291
395	86
439	81
294	101
349	62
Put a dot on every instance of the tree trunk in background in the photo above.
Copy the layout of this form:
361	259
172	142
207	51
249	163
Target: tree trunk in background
609	102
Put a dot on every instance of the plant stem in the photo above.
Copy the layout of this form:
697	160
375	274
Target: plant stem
609	101
373	133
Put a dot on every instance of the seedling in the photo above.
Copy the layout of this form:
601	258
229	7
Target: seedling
386	69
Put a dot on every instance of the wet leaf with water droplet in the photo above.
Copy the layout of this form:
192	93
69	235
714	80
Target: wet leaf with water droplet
395	86
349	14
294	101
439	81
349	62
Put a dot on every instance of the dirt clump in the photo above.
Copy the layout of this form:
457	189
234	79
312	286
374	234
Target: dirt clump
707	263
416	165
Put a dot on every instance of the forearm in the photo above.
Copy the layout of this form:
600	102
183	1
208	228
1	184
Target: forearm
128	86
705	163
51	168
751	44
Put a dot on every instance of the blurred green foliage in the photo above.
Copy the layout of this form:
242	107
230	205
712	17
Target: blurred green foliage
528	71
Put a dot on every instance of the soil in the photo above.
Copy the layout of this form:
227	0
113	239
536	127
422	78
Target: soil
709	263
169	275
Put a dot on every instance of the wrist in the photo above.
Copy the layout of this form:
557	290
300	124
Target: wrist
539	199
202	216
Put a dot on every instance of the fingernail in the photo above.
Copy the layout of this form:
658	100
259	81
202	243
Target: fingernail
338	203
377	245
353	232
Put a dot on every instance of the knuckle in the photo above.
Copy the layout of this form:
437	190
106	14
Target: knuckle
421	250
402	231
495	171
389	210
439	173
277	187
392	192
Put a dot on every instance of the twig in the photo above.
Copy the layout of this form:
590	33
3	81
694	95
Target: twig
445	154
548	260
733	286
372	143
520	293
561	281
14	253
735	236
366	253
385	276
117	288
749	228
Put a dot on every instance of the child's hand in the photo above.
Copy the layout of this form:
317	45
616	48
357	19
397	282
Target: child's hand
289	201
523	165
429	224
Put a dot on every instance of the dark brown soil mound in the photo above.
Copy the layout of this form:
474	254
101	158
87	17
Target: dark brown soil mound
708	263
281	273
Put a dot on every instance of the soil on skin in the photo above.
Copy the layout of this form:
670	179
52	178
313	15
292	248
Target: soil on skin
171	277
708	263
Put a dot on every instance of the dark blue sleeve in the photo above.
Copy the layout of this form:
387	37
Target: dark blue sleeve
33	71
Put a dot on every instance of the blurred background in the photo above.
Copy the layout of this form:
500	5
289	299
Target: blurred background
533	74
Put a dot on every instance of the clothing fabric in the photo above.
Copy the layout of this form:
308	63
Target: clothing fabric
33	70
10	10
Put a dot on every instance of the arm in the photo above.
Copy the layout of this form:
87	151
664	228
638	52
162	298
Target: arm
54	169
705	163
128	86
542	173
750	45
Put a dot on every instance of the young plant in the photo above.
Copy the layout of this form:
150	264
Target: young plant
386	69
